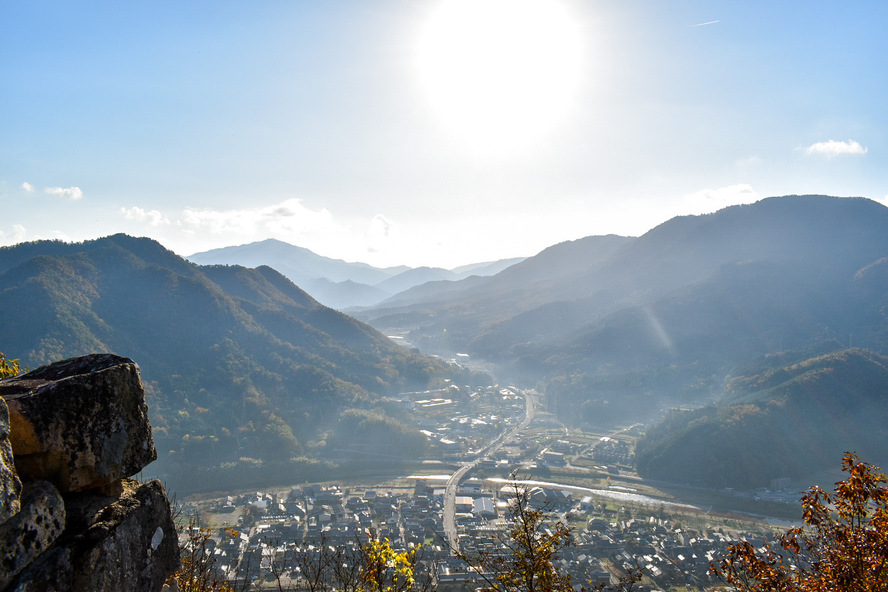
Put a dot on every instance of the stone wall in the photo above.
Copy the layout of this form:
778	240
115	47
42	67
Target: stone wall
71	518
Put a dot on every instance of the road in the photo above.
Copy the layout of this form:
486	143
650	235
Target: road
452	486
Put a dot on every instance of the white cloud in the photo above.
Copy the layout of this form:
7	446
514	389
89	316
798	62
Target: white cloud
28	187
293	222
288	217
832	148
16	236
72	193
381	234
152	217
380	225
710	200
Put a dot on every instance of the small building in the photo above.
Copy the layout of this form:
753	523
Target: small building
464	503
484	508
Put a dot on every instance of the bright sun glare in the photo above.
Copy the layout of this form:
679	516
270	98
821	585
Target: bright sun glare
500	73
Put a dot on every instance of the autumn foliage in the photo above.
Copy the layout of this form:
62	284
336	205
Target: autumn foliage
532	544
197	573
843	545
8	367
383	569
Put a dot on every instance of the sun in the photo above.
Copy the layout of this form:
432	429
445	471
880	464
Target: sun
500	73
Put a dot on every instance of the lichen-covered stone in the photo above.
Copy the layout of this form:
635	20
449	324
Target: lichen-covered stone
52	572
131	544
25	536
10	486
121	544
79	423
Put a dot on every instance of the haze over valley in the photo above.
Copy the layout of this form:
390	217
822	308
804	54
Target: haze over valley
759	321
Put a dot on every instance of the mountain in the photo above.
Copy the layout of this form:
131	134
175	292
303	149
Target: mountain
486	300
336	283
617	328
246	375
297	263
346	294
486	268
791	421
414	277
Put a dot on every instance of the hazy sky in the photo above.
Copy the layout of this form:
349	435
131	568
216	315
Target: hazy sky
428	132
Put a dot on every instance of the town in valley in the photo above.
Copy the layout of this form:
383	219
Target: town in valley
493	440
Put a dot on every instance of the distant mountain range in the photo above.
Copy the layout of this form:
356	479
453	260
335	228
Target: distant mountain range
714	289
760	316
246	375
336	283
618	329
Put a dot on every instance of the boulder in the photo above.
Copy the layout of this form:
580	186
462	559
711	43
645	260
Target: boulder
70	519
10	486
25	536
52	572
80	423
111	544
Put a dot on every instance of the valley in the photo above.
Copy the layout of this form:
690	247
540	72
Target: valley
584	479
664	394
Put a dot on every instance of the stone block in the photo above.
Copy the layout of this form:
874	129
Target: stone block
10	486
132	544
114	544
79	423
29	533
52	572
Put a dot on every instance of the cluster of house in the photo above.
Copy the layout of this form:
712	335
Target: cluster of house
275	529
463	419
612	451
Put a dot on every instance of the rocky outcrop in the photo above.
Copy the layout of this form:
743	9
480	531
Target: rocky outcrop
28	534
10	486
71	519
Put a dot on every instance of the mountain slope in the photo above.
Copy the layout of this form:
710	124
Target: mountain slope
597	276
414	277
617	328
238	363
788	422
336	283
297	263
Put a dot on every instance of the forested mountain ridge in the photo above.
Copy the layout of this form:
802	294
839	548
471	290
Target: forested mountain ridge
631	325
241	366
789	421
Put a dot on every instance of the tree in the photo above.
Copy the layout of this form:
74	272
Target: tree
530	547
8	367
326	567
371	566
383	569
198	573
843	545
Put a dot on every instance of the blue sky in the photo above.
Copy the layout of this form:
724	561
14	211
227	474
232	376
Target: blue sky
328	125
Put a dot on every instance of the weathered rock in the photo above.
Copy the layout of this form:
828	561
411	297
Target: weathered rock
52	572
132	544
10	486
79	423
111	544
30	532
80	426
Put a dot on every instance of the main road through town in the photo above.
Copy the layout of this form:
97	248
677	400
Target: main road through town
452	486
